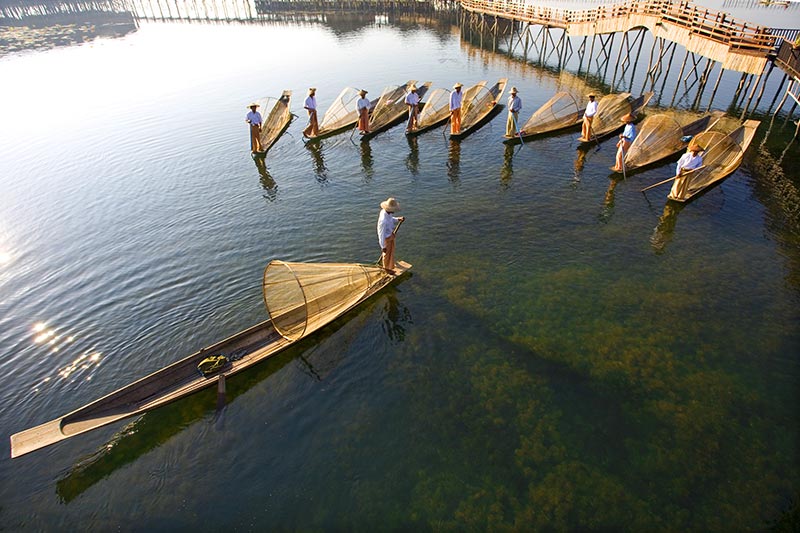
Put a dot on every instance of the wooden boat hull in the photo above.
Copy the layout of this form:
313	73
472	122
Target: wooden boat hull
175	381
576	122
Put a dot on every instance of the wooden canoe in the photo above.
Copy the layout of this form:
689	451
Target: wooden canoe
610	111
661	136
276	122
391	108
723	153
477	110
435	112
342	115
243	350
559	113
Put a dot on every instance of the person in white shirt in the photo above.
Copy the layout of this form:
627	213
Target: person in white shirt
455	108
310	105
363	105
625	139
412	102
387	223
588	116
691	160
514	107
254	119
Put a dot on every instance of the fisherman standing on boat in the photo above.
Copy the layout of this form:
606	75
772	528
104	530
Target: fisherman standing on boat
254	119
588	117
412	101
363	105
691	160
456	98
387	224
625	139
514	107
310	105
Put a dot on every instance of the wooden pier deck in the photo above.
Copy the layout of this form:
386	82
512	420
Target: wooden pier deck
736	45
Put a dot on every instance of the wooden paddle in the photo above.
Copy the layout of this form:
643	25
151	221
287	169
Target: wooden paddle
683	173
519	133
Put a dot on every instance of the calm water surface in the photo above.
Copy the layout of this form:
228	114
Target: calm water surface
567	353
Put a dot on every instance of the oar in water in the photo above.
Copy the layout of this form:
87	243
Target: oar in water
519	133
394	232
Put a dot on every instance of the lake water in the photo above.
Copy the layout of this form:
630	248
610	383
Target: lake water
567	353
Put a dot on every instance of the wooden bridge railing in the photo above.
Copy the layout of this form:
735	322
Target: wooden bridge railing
714	25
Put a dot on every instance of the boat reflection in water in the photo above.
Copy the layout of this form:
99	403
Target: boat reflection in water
454	162
320	170
316	357
267	183
412	159
662	233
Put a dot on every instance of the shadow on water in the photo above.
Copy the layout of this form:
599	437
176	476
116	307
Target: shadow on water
608	201
267	182
320	170
366	160
317	355
580	162
454	162
412	159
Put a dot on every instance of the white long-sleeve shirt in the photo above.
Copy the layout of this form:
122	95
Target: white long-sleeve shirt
311	103
386	225
591	108
412	99
363	103
688	161
514	103
254	118
455	100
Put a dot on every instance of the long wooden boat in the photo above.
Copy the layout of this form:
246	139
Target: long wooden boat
434	113
610	111
722	155
478	108
341	115
391	108
277	121
296	309
661	136
559	113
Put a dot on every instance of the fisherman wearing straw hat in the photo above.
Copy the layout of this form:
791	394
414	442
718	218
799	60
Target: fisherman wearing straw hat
310	105
691	160
456	98
514	107
363	105
412	102
387	223
625	139
254	119
588	117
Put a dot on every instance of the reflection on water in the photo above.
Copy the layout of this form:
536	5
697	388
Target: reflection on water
507	170
580	161
320	170
366	160
608	201
395	316
454	162
267	183
663	232
412	159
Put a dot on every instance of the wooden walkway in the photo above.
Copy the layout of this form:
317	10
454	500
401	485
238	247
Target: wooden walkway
736	45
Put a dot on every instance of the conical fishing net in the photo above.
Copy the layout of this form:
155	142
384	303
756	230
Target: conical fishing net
659	136
278	118
391	102
559	112
474	109
301	297
342	111
722	155
436	108
610	111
